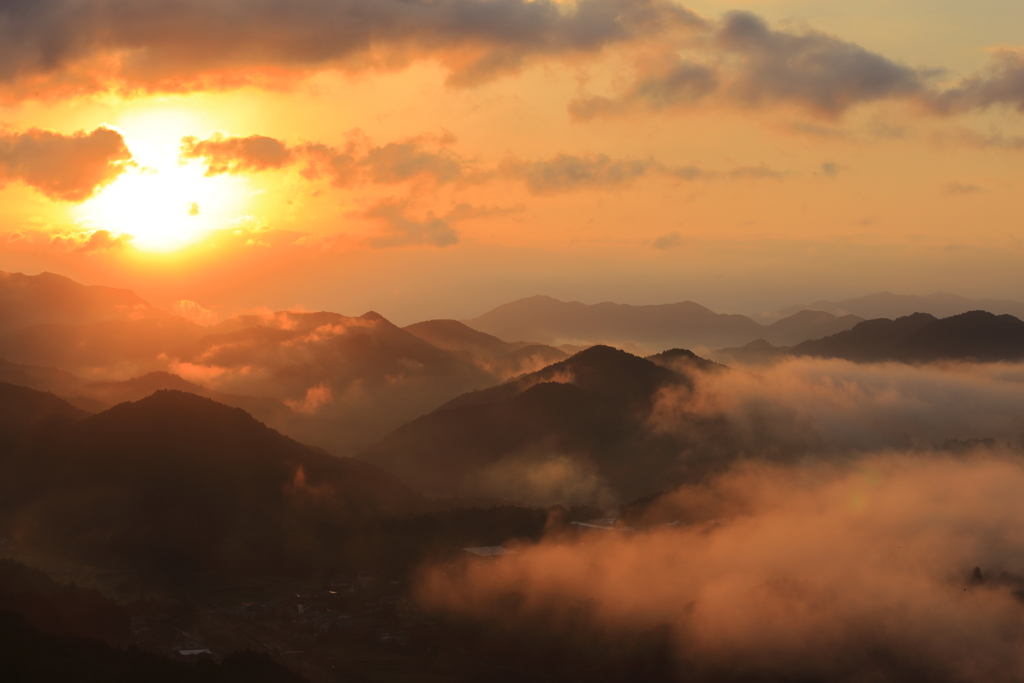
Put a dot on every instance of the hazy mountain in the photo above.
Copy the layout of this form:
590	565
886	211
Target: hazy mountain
41	378
551	321
337	381
757	352
48	298
889	305
804	325
974	336
113	348
686	324
348	381
573	432
502	359
179	481
108	394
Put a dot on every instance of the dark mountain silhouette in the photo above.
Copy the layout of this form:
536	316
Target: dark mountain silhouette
24	410
917	338
27	300
576	431
686	323
502	359
889	305
870	340
177	481
684	360
972	336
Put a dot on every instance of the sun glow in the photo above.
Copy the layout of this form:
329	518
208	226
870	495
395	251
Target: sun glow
162	203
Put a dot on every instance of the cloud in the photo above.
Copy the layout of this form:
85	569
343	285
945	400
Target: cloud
743	62
1001	84
668	241
830	573
831	169
961	189
195	312
315	398
223	154
972	138
400	230
804	407
566	172
426	158
63	167
85	242
215	43
359	161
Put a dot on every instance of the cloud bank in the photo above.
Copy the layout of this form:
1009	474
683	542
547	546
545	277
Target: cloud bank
63	167
859	573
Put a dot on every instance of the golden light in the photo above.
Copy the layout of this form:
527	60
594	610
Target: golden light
163	204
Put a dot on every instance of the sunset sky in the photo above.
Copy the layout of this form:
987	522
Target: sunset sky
435	158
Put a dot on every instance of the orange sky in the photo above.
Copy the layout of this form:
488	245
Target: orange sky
436	159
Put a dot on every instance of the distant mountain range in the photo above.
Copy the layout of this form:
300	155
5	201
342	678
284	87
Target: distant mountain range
48	298
889	305
919	338
686	324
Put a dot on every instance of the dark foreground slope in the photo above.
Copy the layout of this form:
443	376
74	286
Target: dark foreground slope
55	633
29	654
179	481
577	431
177	484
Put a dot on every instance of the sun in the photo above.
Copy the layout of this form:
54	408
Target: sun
162	203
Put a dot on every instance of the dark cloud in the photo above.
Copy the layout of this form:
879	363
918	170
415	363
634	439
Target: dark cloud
972	138
816	71
751	65
566	172
400	230
188	43
683	83
961	189
1002	84
668	241
63	167
223	154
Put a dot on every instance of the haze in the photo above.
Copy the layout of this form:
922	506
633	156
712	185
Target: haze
511	340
